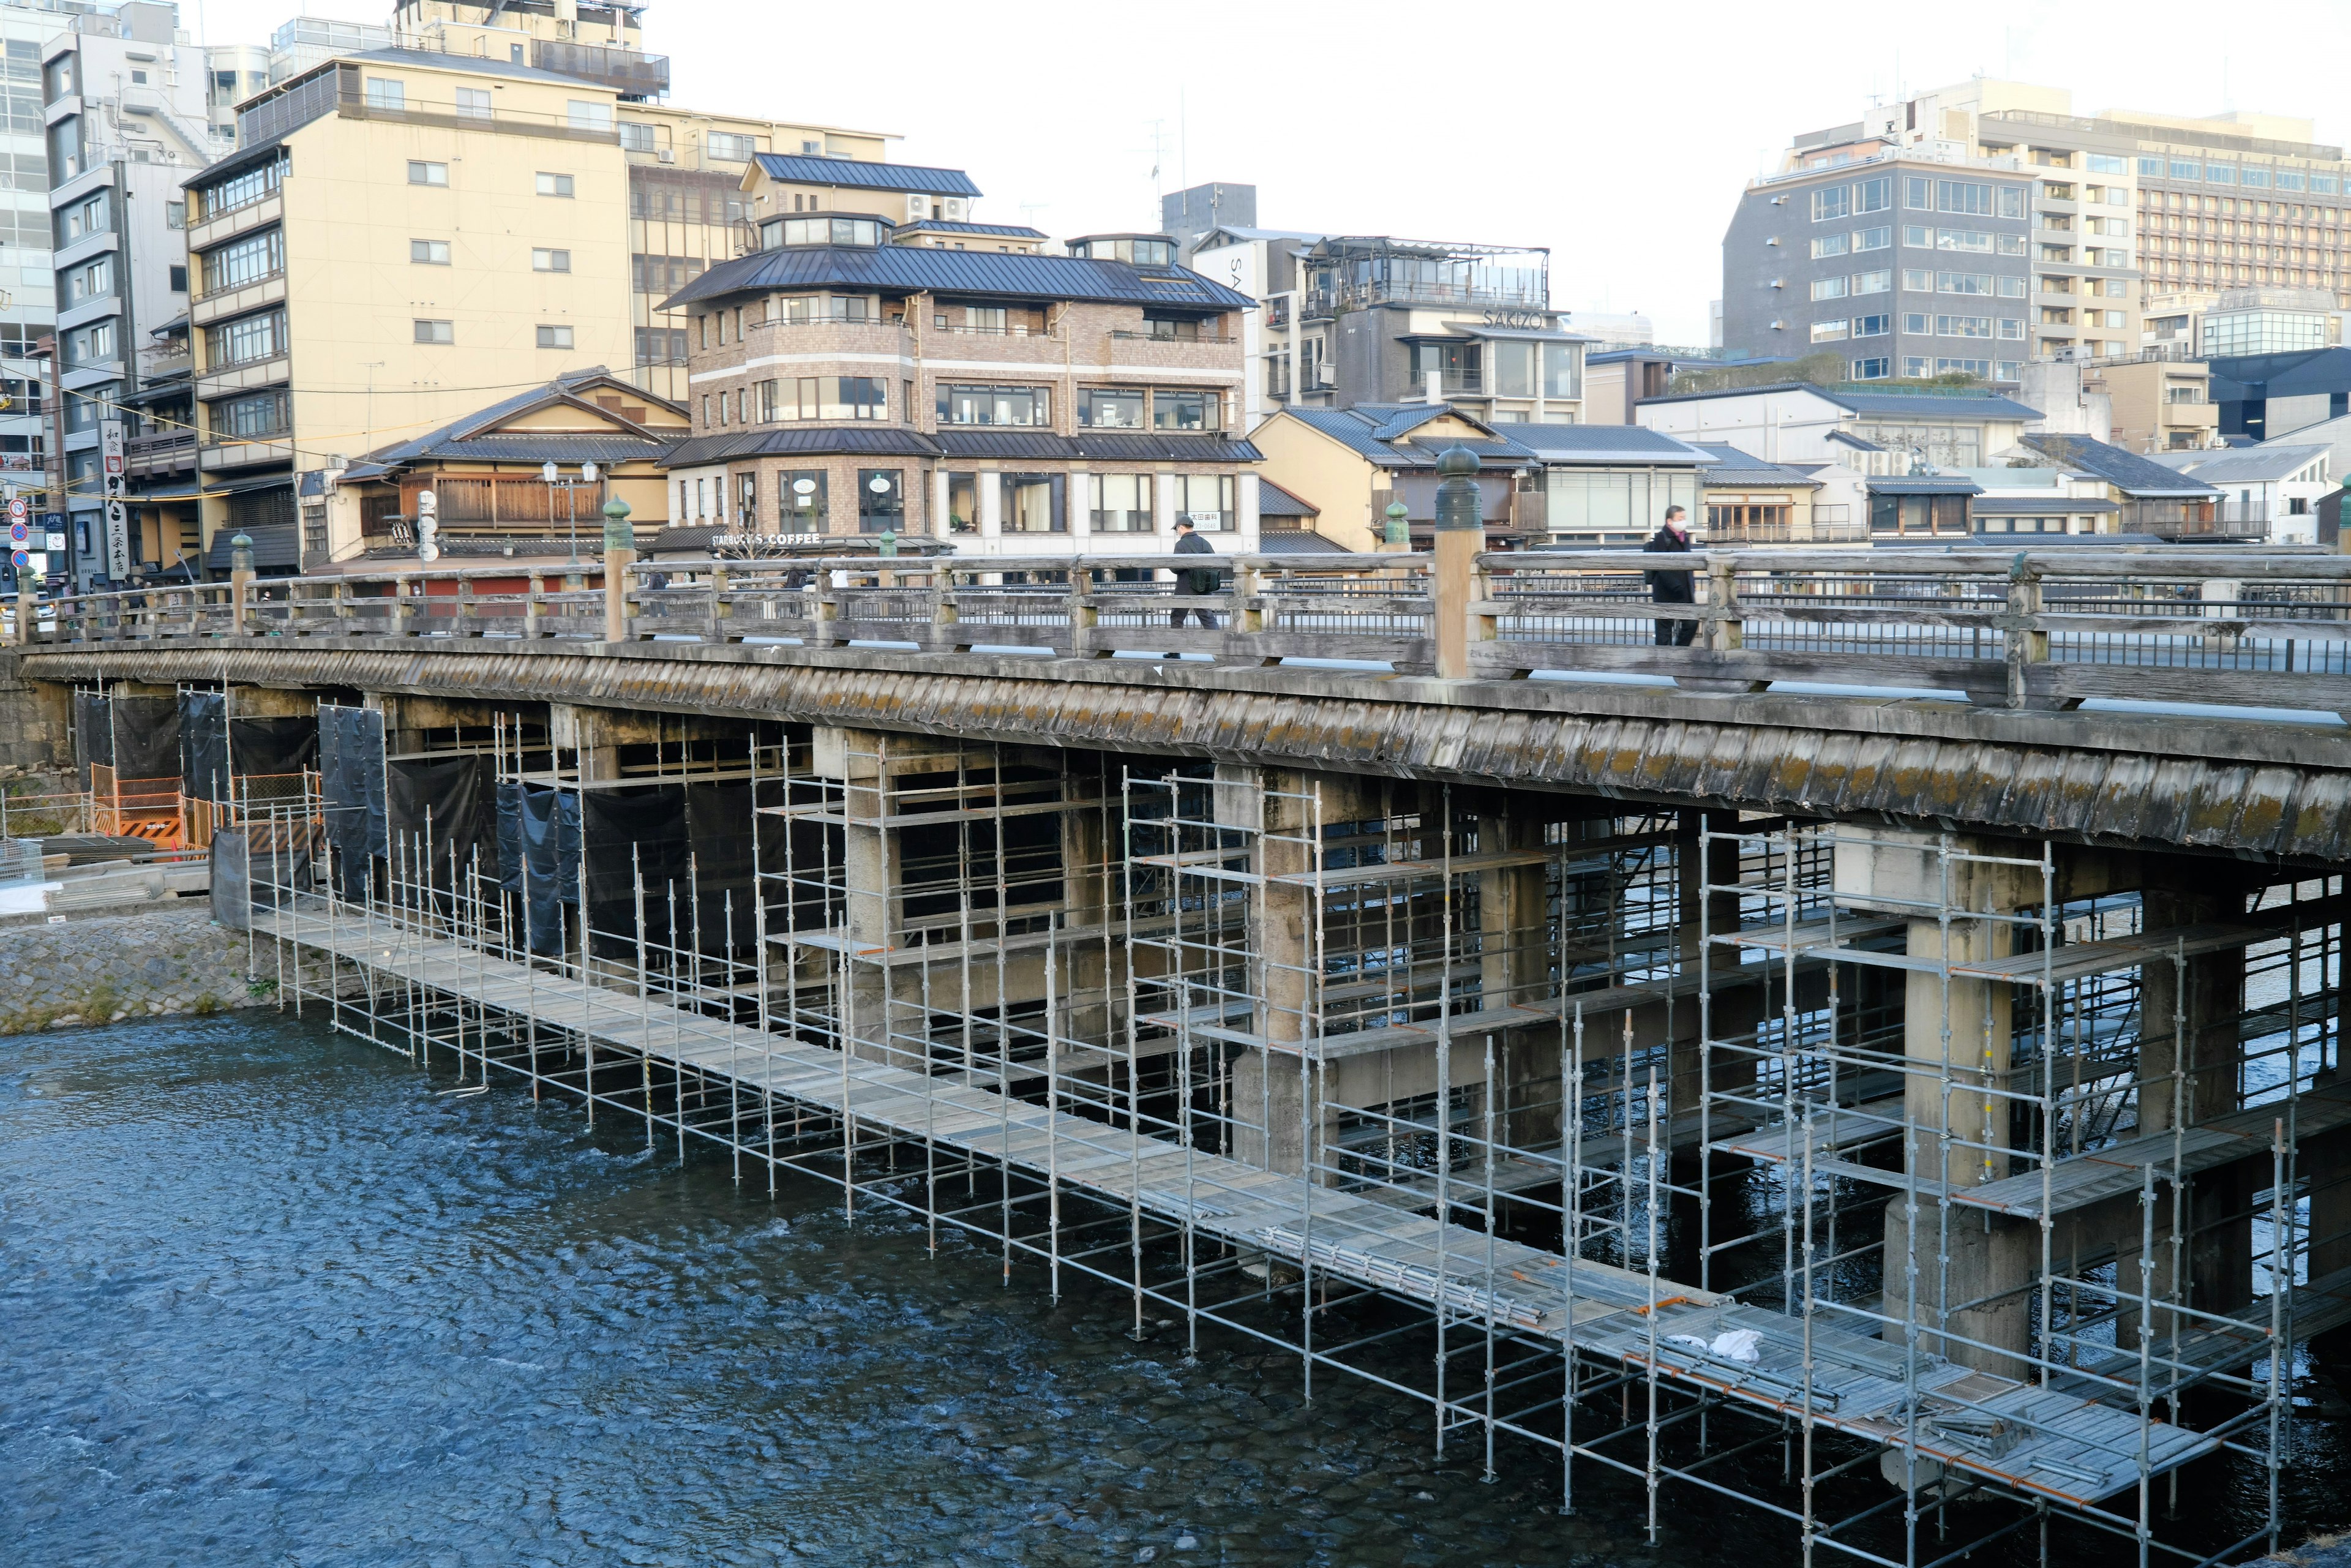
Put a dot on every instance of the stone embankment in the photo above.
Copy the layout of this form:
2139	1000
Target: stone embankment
110	968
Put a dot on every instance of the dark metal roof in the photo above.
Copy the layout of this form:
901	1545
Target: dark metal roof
1000	231
1733	466
1299	541
802	168
1923	484
1604	444
802	440
2125	471
1375	432
1273	501
2237	377
994	274
1099	445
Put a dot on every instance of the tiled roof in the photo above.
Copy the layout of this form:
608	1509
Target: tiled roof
1273	501
2127	471
1298	541
804	169
1003	275
1945	406
1733	466
454	440
1377	432
1018	445
1923	484
1604	444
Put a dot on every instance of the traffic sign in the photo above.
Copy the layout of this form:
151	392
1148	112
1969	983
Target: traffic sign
20	534
19	509
19	557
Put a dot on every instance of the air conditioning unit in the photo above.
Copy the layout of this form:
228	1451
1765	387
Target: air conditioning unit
1326	374
1778	283
1779	326
918	208
952	208
667	155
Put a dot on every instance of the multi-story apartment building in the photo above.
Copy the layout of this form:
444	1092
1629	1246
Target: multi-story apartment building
685	167
1367	319
999	403
2124	206
125	99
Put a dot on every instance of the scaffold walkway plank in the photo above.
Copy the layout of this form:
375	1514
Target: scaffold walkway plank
2074	1450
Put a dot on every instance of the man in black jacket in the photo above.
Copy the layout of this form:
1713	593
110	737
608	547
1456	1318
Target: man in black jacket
1200	580
1670	587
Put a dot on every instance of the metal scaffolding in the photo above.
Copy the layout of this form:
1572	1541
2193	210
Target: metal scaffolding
1839	1172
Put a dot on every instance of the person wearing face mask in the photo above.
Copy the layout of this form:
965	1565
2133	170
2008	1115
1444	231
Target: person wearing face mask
1672	587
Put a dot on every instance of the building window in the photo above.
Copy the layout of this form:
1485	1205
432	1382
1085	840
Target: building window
1831	202
549	184
1963	283
244	189
428	252
1121	504
1873	239
1828	288
1873	282
2011	328
1175	409
800	309
663	274
245	341
881	501
1873	369
1830	331
175	214
1111	408
178	279
421	174
554	336
1562	370
1871	326
636	136
731	149
824	397
588	114
435	331
799	500
1206	500
1916	321
254	415
384	92
91	281
660	345
93	344
1034	503
1831	245
544	260
2012	288
995	405
1963	326
474	103
244	261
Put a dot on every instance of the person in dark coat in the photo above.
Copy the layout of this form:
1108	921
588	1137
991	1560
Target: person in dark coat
1199	579
1672	587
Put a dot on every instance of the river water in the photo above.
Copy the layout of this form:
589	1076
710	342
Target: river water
268	1297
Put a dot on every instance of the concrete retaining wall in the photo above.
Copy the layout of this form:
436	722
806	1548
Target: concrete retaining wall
98	971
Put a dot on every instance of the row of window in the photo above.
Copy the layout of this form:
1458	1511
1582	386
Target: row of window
1027	503
1859	283
1920	237
550	334
435	253
1921	324
1919	193
390	95
2257	176
253	185
1879	367
245	341
245	260
422	173
793	398
1858	241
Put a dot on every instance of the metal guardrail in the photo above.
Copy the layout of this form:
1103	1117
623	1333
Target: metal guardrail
2016	630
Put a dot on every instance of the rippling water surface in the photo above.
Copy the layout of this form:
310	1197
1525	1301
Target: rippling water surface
269	1299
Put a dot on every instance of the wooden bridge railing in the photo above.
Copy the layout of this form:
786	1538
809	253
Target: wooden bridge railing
2017	630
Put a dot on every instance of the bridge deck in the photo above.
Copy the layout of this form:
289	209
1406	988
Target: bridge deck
2073	1448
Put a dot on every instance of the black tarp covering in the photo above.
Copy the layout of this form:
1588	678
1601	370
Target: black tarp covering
689	839
204	746
146	738
538	857
259	867
93	735
350	782
267	747
437	806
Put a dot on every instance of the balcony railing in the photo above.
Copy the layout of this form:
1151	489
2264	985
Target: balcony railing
151	456
627	72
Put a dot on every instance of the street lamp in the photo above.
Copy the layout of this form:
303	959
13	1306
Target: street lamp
554	477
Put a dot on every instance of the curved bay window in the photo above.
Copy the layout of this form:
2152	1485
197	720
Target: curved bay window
824	397
1121	503
799	500
881	501
253	416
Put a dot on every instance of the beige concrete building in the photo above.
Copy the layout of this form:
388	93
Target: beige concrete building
996	402
2160	402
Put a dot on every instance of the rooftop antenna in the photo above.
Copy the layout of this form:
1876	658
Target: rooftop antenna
1158	149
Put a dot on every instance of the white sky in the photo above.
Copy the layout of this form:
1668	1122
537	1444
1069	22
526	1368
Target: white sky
1619	135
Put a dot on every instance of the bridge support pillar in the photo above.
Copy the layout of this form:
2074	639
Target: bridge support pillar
597	734
2197	1001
